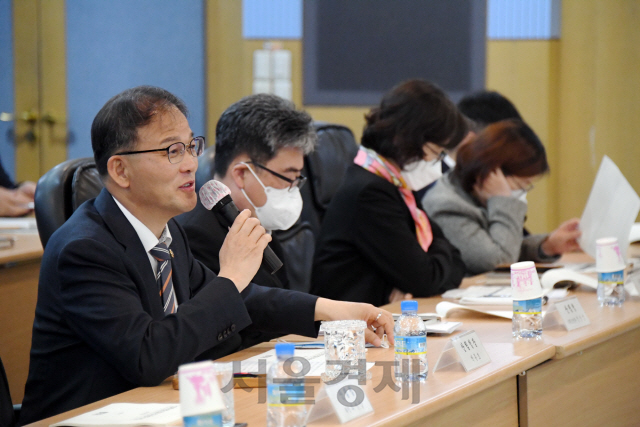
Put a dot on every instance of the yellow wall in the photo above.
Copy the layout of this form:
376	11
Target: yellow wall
580	93
526	73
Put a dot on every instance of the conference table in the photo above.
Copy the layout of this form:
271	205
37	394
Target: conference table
588	376
19	271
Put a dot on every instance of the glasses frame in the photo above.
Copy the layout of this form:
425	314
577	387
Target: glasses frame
185	148
298	182
439	156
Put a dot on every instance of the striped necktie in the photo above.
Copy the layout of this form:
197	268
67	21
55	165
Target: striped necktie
163	277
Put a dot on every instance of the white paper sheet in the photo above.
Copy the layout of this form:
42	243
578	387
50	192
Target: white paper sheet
315	358
128	414
611	209
18	223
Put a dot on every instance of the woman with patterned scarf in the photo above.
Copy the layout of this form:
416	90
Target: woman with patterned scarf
376	244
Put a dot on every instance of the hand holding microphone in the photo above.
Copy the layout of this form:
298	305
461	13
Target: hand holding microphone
215	196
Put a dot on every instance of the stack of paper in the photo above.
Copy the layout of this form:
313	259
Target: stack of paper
128	415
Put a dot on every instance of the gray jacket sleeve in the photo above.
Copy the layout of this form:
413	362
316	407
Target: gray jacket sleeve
484	242
531	250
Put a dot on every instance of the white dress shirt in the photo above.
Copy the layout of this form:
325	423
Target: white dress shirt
146	236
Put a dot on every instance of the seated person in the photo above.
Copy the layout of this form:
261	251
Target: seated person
481	204
375	244
255	137
122	303
15	200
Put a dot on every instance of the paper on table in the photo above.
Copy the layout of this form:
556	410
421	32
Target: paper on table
18	223
315	358
441	327
128	414
611	209
444	308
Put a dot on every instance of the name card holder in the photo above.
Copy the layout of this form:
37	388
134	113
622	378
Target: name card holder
346	399
568	313
465	349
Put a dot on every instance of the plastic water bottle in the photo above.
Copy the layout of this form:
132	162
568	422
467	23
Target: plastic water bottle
527	300
610	267
411	344
286	406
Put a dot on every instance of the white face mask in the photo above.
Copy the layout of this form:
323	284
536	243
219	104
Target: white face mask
282	209
421	173
519	194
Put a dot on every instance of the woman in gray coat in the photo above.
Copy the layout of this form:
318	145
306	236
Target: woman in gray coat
481	204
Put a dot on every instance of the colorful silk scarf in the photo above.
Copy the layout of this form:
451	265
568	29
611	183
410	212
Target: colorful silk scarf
375	163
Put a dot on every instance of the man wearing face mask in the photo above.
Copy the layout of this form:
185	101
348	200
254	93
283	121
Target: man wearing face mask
260	144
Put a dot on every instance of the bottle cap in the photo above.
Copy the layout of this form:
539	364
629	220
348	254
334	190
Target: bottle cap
285	349
409	306
608	256
525	283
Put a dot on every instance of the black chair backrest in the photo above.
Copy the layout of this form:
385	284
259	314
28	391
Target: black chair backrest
205	167
7	416
61	191
298	244
325	168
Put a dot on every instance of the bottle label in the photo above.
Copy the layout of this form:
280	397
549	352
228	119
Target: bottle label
530	306
412	345
286	393
204	420
611	279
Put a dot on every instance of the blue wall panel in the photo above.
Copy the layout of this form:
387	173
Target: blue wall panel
117	44
523	19
272	19
6	87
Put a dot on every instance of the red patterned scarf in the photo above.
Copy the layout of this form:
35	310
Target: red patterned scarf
375	163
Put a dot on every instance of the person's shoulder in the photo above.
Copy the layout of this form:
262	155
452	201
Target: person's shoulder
84	229
447	196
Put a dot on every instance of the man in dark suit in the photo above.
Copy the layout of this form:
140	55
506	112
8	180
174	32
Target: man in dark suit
121	300
261	141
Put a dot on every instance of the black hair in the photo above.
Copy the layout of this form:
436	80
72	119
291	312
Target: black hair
115	127
486	107
411	114
258	126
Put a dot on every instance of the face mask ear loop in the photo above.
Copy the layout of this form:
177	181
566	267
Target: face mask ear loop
256	176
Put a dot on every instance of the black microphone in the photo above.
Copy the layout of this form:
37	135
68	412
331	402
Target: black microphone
215	196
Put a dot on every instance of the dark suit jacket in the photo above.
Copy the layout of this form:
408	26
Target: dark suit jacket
368	246
5	181
100	329
206	232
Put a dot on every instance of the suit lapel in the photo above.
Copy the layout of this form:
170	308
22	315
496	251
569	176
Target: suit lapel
134	252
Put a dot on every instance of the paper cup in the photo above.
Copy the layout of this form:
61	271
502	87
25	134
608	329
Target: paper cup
525	283
608	255
199	390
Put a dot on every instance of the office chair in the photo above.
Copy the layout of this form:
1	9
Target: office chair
61	191
8	411
325	169
205	167
298	244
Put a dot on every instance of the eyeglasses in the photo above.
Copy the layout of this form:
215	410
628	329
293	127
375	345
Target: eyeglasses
527	188
298	182
175	152
439	156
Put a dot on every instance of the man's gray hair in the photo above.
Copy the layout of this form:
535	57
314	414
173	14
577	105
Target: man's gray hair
259	126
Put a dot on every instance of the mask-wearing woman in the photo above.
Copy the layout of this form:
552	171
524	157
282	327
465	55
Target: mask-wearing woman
481	205
376	244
